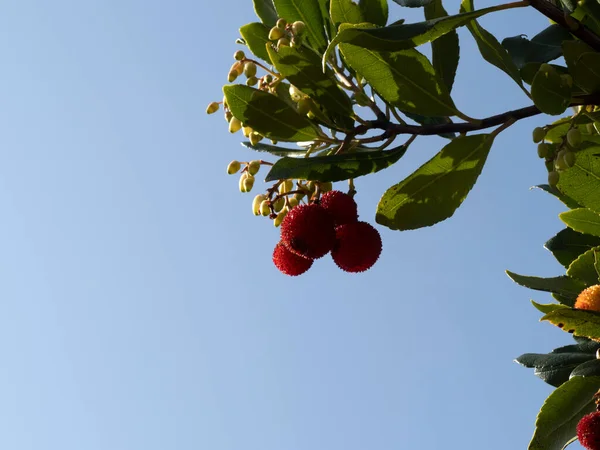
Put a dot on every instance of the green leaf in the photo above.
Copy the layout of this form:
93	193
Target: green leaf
582	220
562	285
413	3
530	70
404	79
568	201
572	51
268	114
302	68
334	167
345	11
557	420
550	93
402	36
597	262
490	48
567	245
445	49
548	307
265	10
256	36
587	369
374	11
583	268
554	368
274	150
435	190
309	12
576	321
587	72
582	181
544	47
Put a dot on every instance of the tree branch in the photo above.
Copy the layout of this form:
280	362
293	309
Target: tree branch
575	27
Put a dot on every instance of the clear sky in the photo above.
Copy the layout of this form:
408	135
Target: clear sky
140	308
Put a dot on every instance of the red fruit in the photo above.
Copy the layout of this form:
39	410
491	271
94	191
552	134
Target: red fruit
588	431
309	231
288	262
357	247
341	206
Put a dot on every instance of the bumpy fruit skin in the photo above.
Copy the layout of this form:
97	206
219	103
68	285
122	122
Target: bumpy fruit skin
288	262
589	298
588	431
341	206
357	248
309	231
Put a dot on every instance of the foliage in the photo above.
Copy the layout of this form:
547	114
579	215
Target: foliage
353	92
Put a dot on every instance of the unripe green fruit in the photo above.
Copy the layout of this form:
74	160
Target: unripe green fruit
253	167
277	221
283	42
247	182
286	186
543	150
311	186
265	210
298	28
546	68
225	105
538	134
569	158
241	183
233	74
257	202
255	138
252	81
275	34
574	137
250	69
559	162
246	131
239	55
292	202
326	187
295	93
553	178
279	204
235	125
268	78
233	167
212	108
304	106
281	23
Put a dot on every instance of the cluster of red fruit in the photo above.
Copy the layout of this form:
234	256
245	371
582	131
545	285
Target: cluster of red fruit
311	231
588	431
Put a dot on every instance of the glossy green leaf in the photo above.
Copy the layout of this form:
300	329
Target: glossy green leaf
265	10
582	220
269	115
445	49
554	368
562	285
274	150
576	321
572	51
491	50
434	191
335	167
557	420
256	36
597	262
568	245
583	268
548	307
544	47
404	79
413	3
550	93
374	11
568	201
582	181
530	70
309	12
345	11
587	369
302	68
587	72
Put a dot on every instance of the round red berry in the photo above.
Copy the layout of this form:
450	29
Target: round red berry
309	231
288	262
357	247
588	431
341	206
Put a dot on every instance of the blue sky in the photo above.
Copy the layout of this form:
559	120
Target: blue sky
140	307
